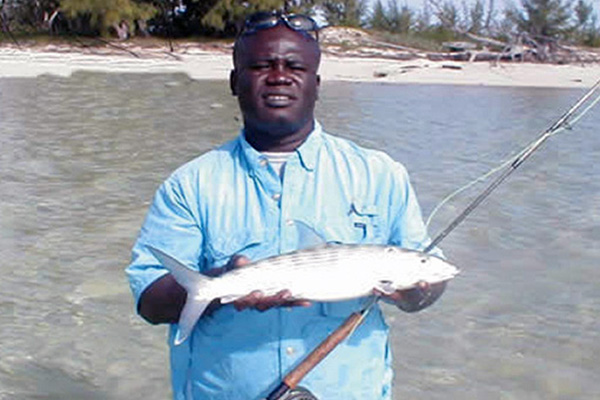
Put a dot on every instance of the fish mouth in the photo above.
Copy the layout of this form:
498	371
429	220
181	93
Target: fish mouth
278	100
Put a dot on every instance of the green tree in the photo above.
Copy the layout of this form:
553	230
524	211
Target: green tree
475	15
225	13
406	20
378	19
300	6
505	27
26	13
542	19
583	13
449	15
585	28
345	12
392	18
224	16
105	14
423	19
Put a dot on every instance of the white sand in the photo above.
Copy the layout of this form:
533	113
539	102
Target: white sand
200	64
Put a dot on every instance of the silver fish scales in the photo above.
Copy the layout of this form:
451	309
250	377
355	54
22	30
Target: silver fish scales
324	273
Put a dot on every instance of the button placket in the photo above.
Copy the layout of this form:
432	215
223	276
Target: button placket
291	203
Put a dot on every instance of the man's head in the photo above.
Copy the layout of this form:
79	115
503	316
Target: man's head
275	79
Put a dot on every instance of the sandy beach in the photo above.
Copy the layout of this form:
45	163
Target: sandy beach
202	62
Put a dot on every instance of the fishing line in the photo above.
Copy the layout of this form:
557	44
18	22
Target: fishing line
504	164
566	122
288	389
363	313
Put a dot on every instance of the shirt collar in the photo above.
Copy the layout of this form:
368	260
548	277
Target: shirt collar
307	151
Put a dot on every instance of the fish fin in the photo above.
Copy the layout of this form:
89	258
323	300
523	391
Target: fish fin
386	287
308	237
194	284
192	310
185	276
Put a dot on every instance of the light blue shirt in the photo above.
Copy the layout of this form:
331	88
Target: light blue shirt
230	201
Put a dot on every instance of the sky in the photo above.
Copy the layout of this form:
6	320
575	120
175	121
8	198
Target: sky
418	4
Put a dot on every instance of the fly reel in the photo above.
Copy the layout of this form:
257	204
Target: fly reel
299	393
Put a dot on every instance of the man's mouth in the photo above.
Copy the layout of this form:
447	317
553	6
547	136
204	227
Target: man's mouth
278	100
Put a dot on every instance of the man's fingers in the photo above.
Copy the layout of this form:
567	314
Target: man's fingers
248	301
395	296
259	301
273	301
298	303
239	260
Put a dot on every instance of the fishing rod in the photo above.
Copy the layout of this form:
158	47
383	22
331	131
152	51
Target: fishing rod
288	389
561	123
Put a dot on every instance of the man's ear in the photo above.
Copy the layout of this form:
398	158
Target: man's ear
233	82
318	85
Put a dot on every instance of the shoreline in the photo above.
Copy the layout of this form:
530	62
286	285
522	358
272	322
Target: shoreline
203	62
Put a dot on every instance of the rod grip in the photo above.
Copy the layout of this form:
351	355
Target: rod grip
318	354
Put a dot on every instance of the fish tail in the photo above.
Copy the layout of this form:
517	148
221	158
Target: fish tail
197	288
192	310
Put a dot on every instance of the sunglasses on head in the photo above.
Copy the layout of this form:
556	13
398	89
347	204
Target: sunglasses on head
265	20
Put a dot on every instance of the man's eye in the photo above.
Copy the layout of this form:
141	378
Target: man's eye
297	67
260	66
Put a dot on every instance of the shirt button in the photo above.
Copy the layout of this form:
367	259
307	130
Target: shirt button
289	222
263	162
289	350
276	196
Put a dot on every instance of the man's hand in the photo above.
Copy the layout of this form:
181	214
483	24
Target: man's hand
257	299
415	299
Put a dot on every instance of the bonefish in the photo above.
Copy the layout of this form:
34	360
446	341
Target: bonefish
324	273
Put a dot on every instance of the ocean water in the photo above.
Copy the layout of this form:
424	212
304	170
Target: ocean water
82	156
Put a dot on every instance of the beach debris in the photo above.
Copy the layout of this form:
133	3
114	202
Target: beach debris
459	46
451	66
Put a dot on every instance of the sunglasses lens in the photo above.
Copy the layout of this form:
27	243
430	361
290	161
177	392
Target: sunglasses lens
261	20
302	23
266	20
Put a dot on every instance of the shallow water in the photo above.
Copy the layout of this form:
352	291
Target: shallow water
82	156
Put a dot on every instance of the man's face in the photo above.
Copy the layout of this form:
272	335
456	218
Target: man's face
276	81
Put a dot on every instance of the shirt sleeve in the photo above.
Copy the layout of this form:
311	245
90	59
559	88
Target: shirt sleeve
171	225
407	227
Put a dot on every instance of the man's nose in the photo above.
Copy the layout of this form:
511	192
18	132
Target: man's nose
278	75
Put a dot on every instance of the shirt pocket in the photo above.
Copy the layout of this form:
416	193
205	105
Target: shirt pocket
360	225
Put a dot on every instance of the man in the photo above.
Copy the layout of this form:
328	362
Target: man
243	202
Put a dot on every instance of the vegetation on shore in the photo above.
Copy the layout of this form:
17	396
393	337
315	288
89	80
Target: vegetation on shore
533	29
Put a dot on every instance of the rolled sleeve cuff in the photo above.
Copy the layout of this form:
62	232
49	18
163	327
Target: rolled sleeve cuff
142	273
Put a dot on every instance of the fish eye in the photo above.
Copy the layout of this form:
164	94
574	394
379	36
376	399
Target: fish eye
423	260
